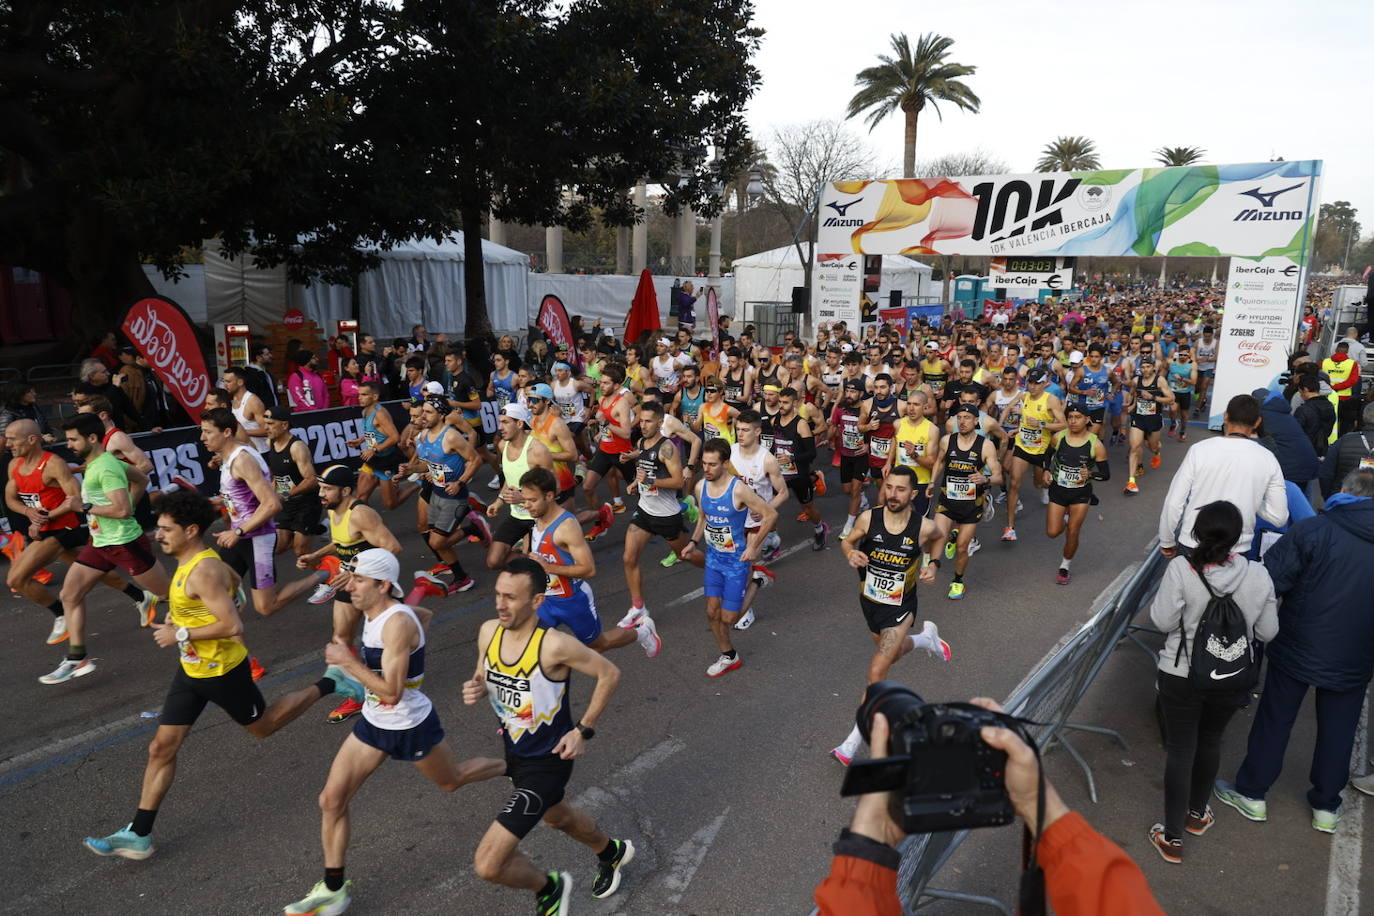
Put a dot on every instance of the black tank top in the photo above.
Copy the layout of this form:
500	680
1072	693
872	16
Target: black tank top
960	465
734	389
1071	465
769	425
285	475
786	439
894	557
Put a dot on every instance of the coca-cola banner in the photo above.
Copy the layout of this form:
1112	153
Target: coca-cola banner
553	321
161	332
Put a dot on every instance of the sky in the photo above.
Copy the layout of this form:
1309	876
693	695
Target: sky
1245	81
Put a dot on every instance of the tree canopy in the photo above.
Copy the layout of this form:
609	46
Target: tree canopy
293	129
1068	154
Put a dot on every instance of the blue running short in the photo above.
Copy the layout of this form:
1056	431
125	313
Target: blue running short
577	613
727	580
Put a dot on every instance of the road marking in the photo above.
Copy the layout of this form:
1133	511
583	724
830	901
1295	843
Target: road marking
1347	847
595	797
687	858
698	592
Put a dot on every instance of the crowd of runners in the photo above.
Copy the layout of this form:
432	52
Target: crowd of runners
715	445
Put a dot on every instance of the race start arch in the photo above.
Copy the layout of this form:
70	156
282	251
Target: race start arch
1261	215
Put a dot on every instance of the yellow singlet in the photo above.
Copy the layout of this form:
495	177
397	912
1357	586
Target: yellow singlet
921	436
1034	440
200	657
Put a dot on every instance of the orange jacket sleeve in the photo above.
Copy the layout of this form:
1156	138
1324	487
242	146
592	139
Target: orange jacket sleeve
1088	874
862	880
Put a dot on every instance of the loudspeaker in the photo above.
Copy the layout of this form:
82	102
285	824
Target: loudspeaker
800	300
894	299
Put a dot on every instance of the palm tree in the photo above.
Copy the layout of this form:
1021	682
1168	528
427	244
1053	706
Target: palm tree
910	79
1179	155
1068	154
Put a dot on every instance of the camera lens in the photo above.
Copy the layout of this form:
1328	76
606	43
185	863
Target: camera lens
892	699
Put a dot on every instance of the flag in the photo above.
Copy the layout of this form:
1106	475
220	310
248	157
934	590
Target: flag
643	314
553	321
161	332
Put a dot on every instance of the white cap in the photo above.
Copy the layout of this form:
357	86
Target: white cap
518	411
1075	357
665	341
433	388
379	564
846	347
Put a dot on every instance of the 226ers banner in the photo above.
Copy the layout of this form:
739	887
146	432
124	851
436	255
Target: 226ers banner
161	332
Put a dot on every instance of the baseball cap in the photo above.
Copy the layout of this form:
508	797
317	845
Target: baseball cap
433	388
1036	375
339	475
380	564
517	411
854	384
1114	345
542	390
665	341
966	408
846	347
1076	357
278	412
932	345
1074	407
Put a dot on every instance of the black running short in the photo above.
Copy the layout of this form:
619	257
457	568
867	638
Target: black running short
511	529
1037	460
300	514
803	487
539	784
1070	496
853	467
668	527
233	691
962	511
881	617
603	463
71	539
1147	424
1184	399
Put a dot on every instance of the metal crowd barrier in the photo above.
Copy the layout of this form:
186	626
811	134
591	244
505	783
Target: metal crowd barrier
1047	696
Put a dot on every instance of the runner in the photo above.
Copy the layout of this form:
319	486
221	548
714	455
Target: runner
613	409
518	451
381	451
398	720
847	438
725	504
1090	385
1041	416
1077	457
203	623
915	442
1182	381
689	398
716	418
117	540
449	461
935	371
548	427
501	381
247	408
563	553
657	475
42	490
524	669
959	469
1206	368
757	467
885	548
571	396
794	448
120	444
737	381
293	477
878	420
1143	400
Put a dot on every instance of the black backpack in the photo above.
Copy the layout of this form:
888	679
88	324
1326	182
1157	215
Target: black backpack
1223	656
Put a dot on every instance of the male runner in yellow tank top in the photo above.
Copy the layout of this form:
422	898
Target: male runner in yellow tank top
204	624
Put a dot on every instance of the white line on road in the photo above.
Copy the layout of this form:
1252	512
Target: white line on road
1347	847
698	592
595	797
687	858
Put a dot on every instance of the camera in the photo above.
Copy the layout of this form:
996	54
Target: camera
941	773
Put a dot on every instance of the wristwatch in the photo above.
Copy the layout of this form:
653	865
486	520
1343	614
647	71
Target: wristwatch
183	635
86	507
587	733
238	531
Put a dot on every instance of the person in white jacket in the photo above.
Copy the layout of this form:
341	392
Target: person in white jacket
1234	467
1194	720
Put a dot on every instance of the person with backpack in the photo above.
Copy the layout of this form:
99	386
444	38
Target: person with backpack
1213	606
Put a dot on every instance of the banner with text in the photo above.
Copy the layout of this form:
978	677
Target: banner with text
836	286
1263	305
1250	210
1030	274
161	332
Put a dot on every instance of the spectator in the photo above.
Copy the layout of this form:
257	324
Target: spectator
415	376
1344	373
305	386
129	378
105	351
369	361
339	350
393	368
1233	467
1326	641
418	342
1085	873
350	376
1195	720
1315	415
19	401
1283	435
95	380
1351	451
259	378
1356	349
686	306
161	411
538	360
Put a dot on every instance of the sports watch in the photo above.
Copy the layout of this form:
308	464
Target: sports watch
183	635
586	732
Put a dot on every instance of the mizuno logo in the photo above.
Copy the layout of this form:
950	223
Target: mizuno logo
1267	197
841	209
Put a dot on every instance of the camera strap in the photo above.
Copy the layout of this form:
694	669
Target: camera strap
1031	893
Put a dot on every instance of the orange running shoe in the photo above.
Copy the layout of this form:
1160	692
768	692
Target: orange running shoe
42	576
344	711
820	483
255	669
1155	462
12	546
1131	489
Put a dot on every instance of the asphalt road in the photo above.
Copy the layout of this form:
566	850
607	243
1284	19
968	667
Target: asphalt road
724	785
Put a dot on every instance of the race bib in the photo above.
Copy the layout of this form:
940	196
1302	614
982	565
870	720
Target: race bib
283	484
31	500
1367	464
1032	437
879	448
371	440
721	538
960	488
1071	477
710	432
438	473
187	651
767	443
566	408
786	462
1146	408
937	387
884	587
851	438
1096	398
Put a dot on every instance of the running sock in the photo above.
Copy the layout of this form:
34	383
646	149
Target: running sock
56	608
333	878
609	852
326	685
731	654
76	653
143	822
549	886
958	577
851	744
1064	562
818	528
638	604
134	592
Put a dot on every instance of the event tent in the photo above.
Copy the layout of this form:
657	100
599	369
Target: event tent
770	275
419	281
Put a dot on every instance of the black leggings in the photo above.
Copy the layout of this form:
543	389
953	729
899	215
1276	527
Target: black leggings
1194	723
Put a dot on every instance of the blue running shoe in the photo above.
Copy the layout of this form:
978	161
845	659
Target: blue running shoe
123	843
344	685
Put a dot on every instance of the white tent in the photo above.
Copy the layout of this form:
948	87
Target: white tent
418	282
770	275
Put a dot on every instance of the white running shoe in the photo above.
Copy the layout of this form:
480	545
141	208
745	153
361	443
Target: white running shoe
723	664
1044	497
864	504
72	669
844	535
746	621
974	547
323	593
1000	498
647	634
1019	505
989	510
146	608
843	754
59	631
494	483
632	618
929	639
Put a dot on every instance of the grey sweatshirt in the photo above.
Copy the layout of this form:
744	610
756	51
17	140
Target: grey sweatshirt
1182	598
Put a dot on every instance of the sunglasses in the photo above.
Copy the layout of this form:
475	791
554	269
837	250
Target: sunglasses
534	400
712	390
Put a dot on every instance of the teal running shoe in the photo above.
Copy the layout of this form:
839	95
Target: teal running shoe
123	843
345	686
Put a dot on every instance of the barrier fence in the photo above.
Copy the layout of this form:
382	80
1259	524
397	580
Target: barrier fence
1047	696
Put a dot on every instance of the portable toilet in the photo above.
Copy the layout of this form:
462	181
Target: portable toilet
968	288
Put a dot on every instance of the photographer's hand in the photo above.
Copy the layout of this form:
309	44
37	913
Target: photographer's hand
871	817
1022	777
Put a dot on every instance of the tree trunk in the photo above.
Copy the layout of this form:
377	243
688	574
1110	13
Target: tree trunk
478	322
909	153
